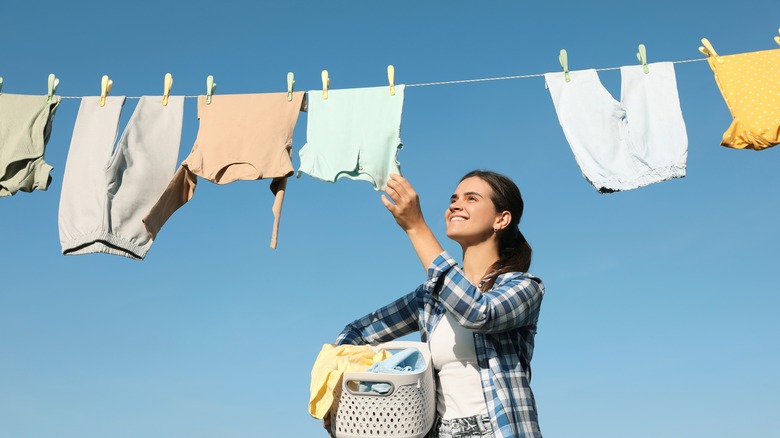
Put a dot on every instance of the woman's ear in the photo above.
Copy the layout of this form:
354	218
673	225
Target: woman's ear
503	220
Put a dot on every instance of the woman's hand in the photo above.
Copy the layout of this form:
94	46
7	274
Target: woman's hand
406	210
408	214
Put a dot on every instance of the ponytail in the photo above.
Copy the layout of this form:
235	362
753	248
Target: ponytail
514	256
514	252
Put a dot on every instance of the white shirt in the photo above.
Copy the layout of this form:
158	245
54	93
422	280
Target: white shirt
459	390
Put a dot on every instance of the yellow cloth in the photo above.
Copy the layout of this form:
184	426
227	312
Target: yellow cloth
330	365
750	85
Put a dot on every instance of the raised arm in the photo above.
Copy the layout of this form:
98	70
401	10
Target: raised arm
406	210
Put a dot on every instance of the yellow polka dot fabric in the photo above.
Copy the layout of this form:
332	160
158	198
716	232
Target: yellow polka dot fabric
750	84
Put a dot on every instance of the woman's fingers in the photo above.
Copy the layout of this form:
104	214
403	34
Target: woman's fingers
400	190
405	207
389	205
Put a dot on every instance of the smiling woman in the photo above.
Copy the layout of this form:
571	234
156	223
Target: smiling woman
479	320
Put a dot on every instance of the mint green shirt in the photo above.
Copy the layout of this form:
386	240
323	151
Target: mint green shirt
355	133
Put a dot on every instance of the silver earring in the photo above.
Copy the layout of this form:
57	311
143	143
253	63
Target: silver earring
495	230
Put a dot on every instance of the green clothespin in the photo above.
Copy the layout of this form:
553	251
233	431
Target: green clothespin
53	84
210	87
641	55
563	58
290	85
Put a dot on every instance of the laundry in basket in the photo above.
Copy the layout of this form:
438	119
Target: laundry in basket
406	410
406	361
330	365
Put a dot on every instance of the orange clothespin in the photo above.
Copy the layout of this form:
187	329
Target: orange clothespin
708	50
105	88
167	88
391	79
325	84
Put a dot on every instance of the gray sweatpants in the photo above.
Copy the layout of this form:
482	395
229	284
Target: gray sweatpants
107	191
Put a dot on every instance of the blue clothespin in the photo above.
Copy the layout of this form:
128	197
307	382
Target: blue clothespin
53	84
641	55
563	58
210	87
290	85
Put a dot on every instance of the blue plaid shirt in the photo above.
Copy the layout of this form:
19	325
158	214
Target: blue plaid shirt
503	320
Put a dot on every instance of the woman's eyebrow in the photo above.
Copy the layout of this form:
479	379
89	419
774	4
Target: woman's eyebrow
455	195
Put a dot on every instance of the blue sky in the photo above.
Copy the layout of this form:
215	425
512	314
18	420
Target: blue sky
660	312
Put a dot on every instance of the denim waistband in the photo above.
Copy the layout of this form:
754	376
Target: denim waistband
476	426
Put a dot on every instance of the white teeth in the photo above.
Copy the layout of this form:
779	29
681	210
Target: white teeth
457	219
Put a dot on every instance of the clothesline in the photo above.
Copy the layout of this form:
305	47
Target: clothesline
462	81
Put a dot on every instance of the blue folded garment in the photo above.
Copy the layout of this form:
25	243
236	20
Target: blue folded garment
406	361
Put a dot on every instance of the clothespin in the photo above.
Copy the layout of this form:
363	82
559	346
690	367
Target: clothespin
391	79
325	84
708	50
641	55
777	38
167	88
210	87
53	84
563	58
105	88
290	85
1	83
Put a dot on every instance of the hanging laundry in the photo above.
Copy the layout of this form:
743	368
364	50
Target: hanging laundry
355	133
25	128
750	85
331	363
241	137
628	144
106	190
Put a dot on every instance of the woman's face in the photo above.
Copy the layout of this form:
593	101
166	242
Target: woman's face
471	215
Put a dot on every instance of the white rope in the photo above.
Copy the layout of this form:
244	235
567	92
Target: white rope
463	81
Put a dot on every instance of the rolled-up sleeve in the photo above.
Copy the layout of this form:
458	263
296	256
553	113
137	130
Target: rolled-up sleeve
392	321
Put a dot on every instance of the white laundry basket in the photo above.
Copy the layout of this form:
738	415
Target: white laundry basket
408	410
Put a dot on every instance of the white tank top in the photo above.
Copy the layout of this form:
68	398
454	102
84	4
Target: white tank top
459	390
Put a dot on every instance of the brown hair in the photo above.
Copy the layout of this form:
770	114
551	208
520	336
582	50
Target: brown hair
513	250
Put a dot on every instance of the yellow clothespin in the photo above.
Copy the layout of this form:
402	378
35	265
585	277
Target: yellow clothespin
167	88
563	58
777	38
708	50
53	84
325	84
391	79
290	85
105	88
210	87
641	55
